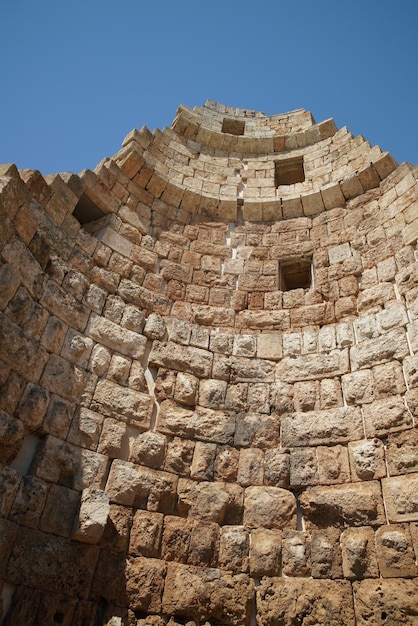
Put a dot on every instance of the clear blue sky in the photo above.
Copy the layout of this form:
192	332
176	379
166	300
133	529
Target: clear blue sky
78	76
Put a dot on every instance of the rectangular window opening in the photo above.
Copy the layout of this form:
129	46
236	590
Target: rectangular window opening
86	210
289	172
233	127
296	274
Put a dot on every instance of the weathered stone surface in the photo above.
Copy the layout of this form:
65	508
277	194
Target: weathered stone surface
390	602
207	595
359	553
367	459
401	498
234	549
391	345
395	552
204	424
56	564
269	507
123	403
385	416
146	534
204	500
354	504
265	552
65	379
92	516
296	553
204	544
23	353
181	358
148	449
402	452
284	600
12	433
29	502
326	556
321	427
313	366
277	467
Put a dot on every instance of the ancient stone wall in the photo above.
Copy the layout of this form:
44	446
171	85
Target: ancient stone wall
208	380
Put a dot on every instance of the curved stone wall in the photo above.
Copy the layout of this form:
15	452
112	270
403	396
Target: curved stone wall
209	384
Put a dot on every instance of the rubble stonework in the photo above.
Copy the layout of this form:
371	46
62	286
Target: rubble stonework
208	380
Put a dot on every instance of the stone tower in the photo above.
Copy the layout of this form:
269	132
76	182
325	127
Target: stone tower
209	380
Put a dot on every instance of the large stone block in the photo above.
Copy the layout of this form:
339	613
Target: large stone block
269	507
351	504
284	600
208	595
113	336
203	424
123	403
313	366
321	427
391	345
145	584
385	416
181	358
359	553
390	602
401	498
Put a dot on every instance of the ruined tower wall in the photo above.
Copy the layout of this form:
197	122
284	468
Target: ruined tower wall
208	378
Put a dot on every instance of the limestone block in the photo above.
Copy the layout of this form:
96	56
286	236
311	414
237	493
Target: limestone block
393	315
226	463
156	490
77	348
264	320
212	393
351	504
143	298
359	553
122	340
29	502
258	430
146	532
204	424
367	459
122	483
283	600
179	331
303	467
269	507
386	416
66	380
115	537
23	353
12	433
110	443
306	395
395	552
179	456
391	345
145	584
330	393
269	346
85	427
186	389
203	461
401	498
366	328
402	452
207	595
65	306
244	345
296	553
250	467
9	484
242	369
123	403
393	601
236	397
24	264
277	468
326	556
181	358
313	366
265	552
259	398
100	360
92	516
202	500
316	428
339	253
57	566
119	369
10	281
333	465
148	449
176	539
388	379
234	549
155	327
358	387
204	544
292	344
411	370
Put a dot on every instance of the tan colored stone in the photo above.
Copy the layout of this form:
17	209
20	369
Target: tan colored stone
321	427
359	553
401	498
92	516
393	601
269	507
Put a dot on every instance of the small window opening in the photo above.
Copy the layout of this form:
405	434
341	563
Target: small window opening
289	172
233	127
59	618
86	210
295	275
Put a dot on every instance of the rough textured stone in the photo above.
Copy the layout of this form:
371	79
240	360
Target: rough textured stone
284	600
92	516
401	498
269	507
382	601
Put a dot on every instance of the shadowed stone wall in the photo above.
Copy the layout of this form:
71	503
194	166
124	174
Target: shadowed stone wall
208	380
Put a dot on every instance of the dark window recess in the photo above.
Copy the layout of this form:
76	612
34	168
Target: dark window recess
233	127
86	211
59	618
289	172
295	275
